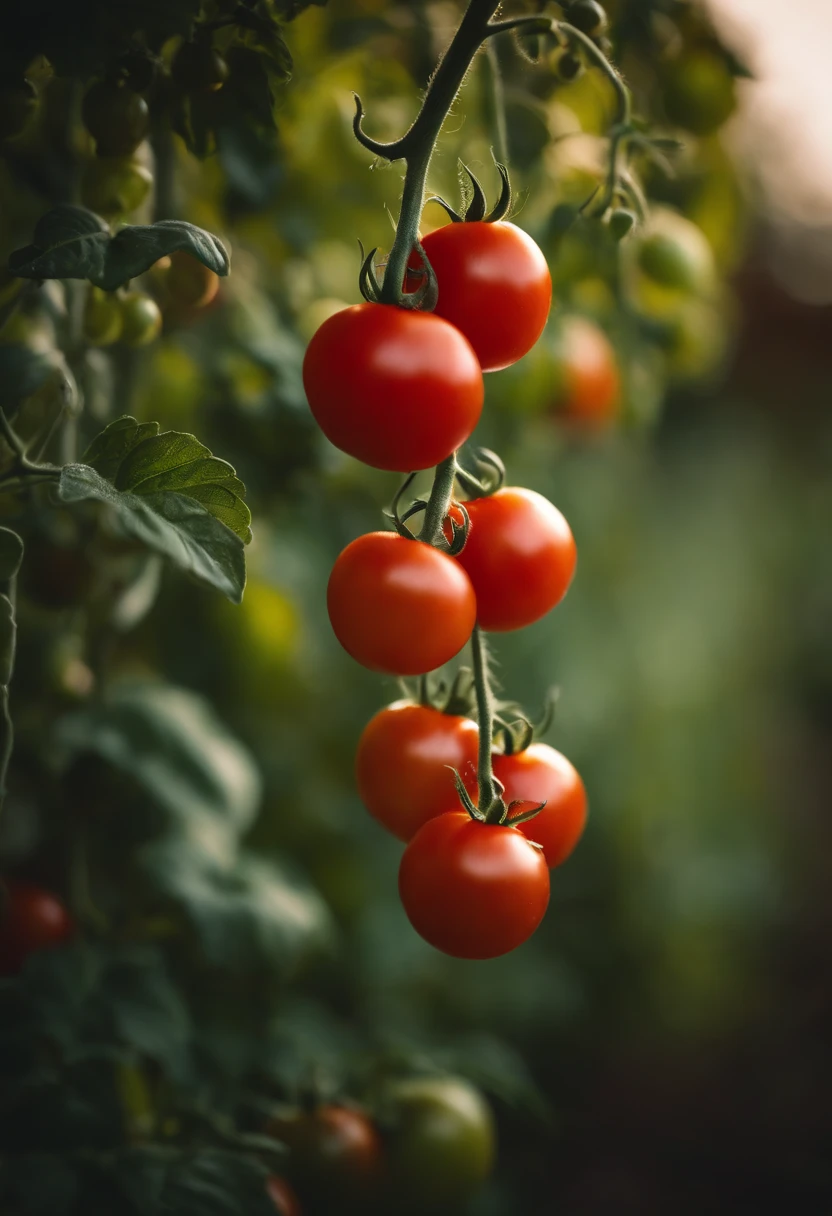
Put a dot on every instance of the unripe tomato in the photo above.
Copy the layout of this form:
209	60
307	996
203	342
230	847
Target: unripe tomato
585	373
33	919
494	286
404	760
18	102
398	390
700	91
102	317
471	889
520	557
198	68
116	118
542	774
140	317
399	605
114	185
189	283
676	254
282	1196
441	1144
334	1152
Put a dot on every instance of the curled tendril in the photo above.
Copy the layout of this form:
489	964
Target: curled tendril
487	477
388	151
459	532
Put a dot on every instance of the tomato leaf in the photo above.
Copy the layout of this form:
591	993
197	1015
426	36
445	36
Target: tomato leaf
169	741
24	369
73	243
172	494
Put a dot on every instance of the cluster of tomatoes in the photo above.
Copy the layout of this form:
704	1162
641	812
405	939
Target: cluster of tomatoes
402	389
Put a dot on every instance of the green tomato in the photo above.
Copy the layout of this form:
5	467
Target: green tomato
116	118
114	185
198	68
674	253
18	102
102	318
700	92
441	1145
141	319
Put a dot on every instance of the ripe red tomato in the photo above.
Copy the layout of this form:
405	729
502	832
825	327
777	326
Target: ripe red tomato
398	605
471	889
541	774
334	1152
586	369
494	286
399	390
282	1196
404	761
33	919
520	557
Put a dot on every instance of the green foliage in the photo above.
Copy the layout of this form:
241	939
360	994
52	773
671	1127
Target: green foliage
73	243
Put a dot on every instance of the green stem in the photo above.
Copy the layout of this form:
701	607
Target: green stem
490	801
439	502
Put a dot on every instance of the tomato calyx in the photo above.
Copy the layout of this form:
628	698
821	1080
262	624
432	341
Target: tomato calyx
457	699
474	203
452	545
424	298
518	734
494	810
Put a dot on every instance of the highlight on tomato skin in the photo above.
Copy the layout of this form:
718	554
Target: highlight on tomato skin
538	774
494	286
404	764
397	389
399	606
520	556
473	890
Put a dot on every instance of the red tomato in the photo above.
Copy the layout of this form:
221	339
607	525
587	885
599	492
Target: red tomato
398	605
541	774
494	286
334	1153
282	1196
404	761
399	390
520	557
471	889
590	384
33	919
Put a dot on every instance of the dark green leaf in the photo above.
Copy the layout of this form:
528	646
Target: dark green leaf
206	1182
74	243
246	913
25	369
171	743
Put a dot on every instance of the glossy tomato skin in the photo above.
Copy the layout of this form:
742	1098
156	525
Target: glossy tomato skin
441	1144
494	286
542	774
282	1196
397	389
404	760
587	372
335	1152
520	556
33	919
398	605
471	889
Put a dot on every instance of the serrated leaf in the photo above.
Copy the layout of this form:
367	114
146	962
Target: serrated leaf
177	527
171	743
246	913
73	243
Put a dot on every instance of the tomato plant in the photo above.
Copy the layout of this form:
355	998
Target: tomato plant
440	1143
520	557
398	605
32	919
471	889
396	389
404	764
494	286
585	373
540	774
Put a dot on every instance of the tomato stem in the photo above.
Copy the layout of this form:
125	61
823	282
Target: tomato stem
489	791
439	502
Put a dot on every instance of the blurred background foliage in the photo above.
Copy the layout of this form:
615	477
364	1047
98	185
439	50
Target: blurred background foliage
183	775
